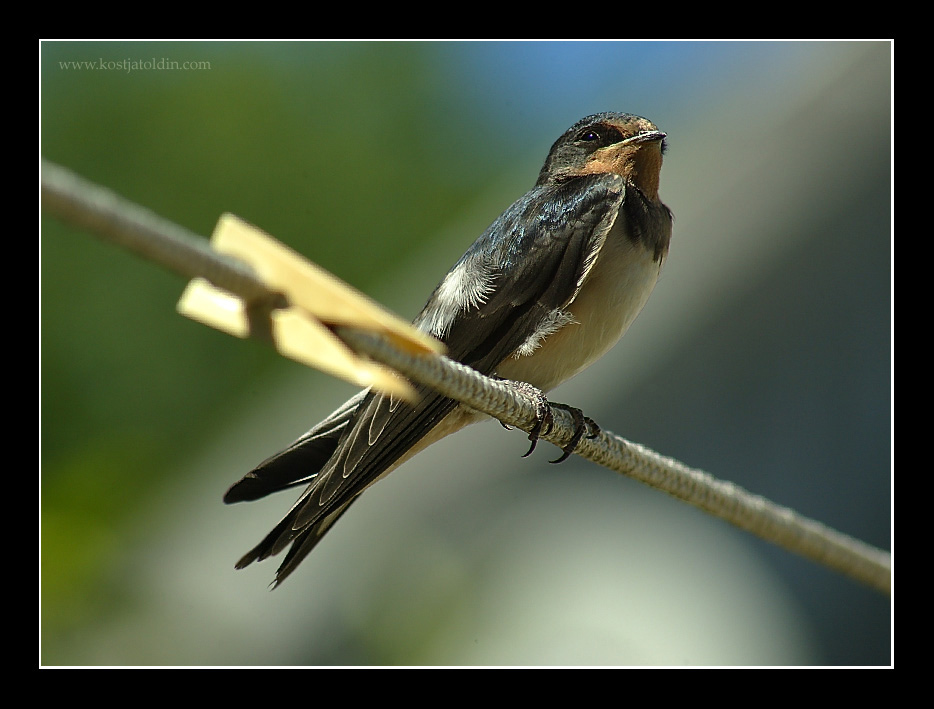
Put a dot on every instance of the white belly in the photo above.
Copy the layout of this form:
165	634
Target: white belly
614	293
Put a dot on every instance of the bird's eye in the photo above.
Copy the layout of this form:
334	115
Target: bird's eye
589	135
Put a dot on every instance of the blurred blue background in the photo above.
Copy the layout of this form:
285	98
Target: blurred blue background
764	357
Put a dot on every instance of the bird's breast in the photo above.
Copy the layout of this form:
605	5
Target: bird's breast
612	295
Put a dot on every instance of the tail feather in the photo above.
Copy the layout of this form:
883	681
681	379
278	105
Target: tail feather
307	540
283	534
299	463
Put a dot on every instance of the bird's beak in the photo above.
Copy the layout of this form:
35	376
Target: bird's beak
643	137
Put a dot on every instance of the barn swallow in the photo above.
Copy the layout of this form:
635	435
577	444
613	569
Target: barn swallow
544	292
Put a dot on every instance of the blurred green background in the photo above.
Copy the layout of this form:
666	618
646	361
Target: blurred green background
764	357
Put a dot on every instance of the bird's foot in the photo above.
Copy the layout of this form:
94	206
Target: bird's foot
583	426
544	421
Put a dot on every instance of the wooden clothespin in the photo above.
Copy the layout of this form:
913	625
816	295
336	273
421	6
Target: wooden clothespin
316	301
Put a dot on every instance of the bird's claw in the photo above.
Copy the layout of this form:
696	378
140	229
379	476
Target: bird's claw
583	425
544	422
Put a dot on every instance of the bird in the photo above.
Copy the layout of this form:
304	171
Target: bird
544	292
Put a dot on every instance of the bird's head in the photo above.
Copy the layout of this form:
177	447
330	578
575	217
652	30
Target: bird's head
621	143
